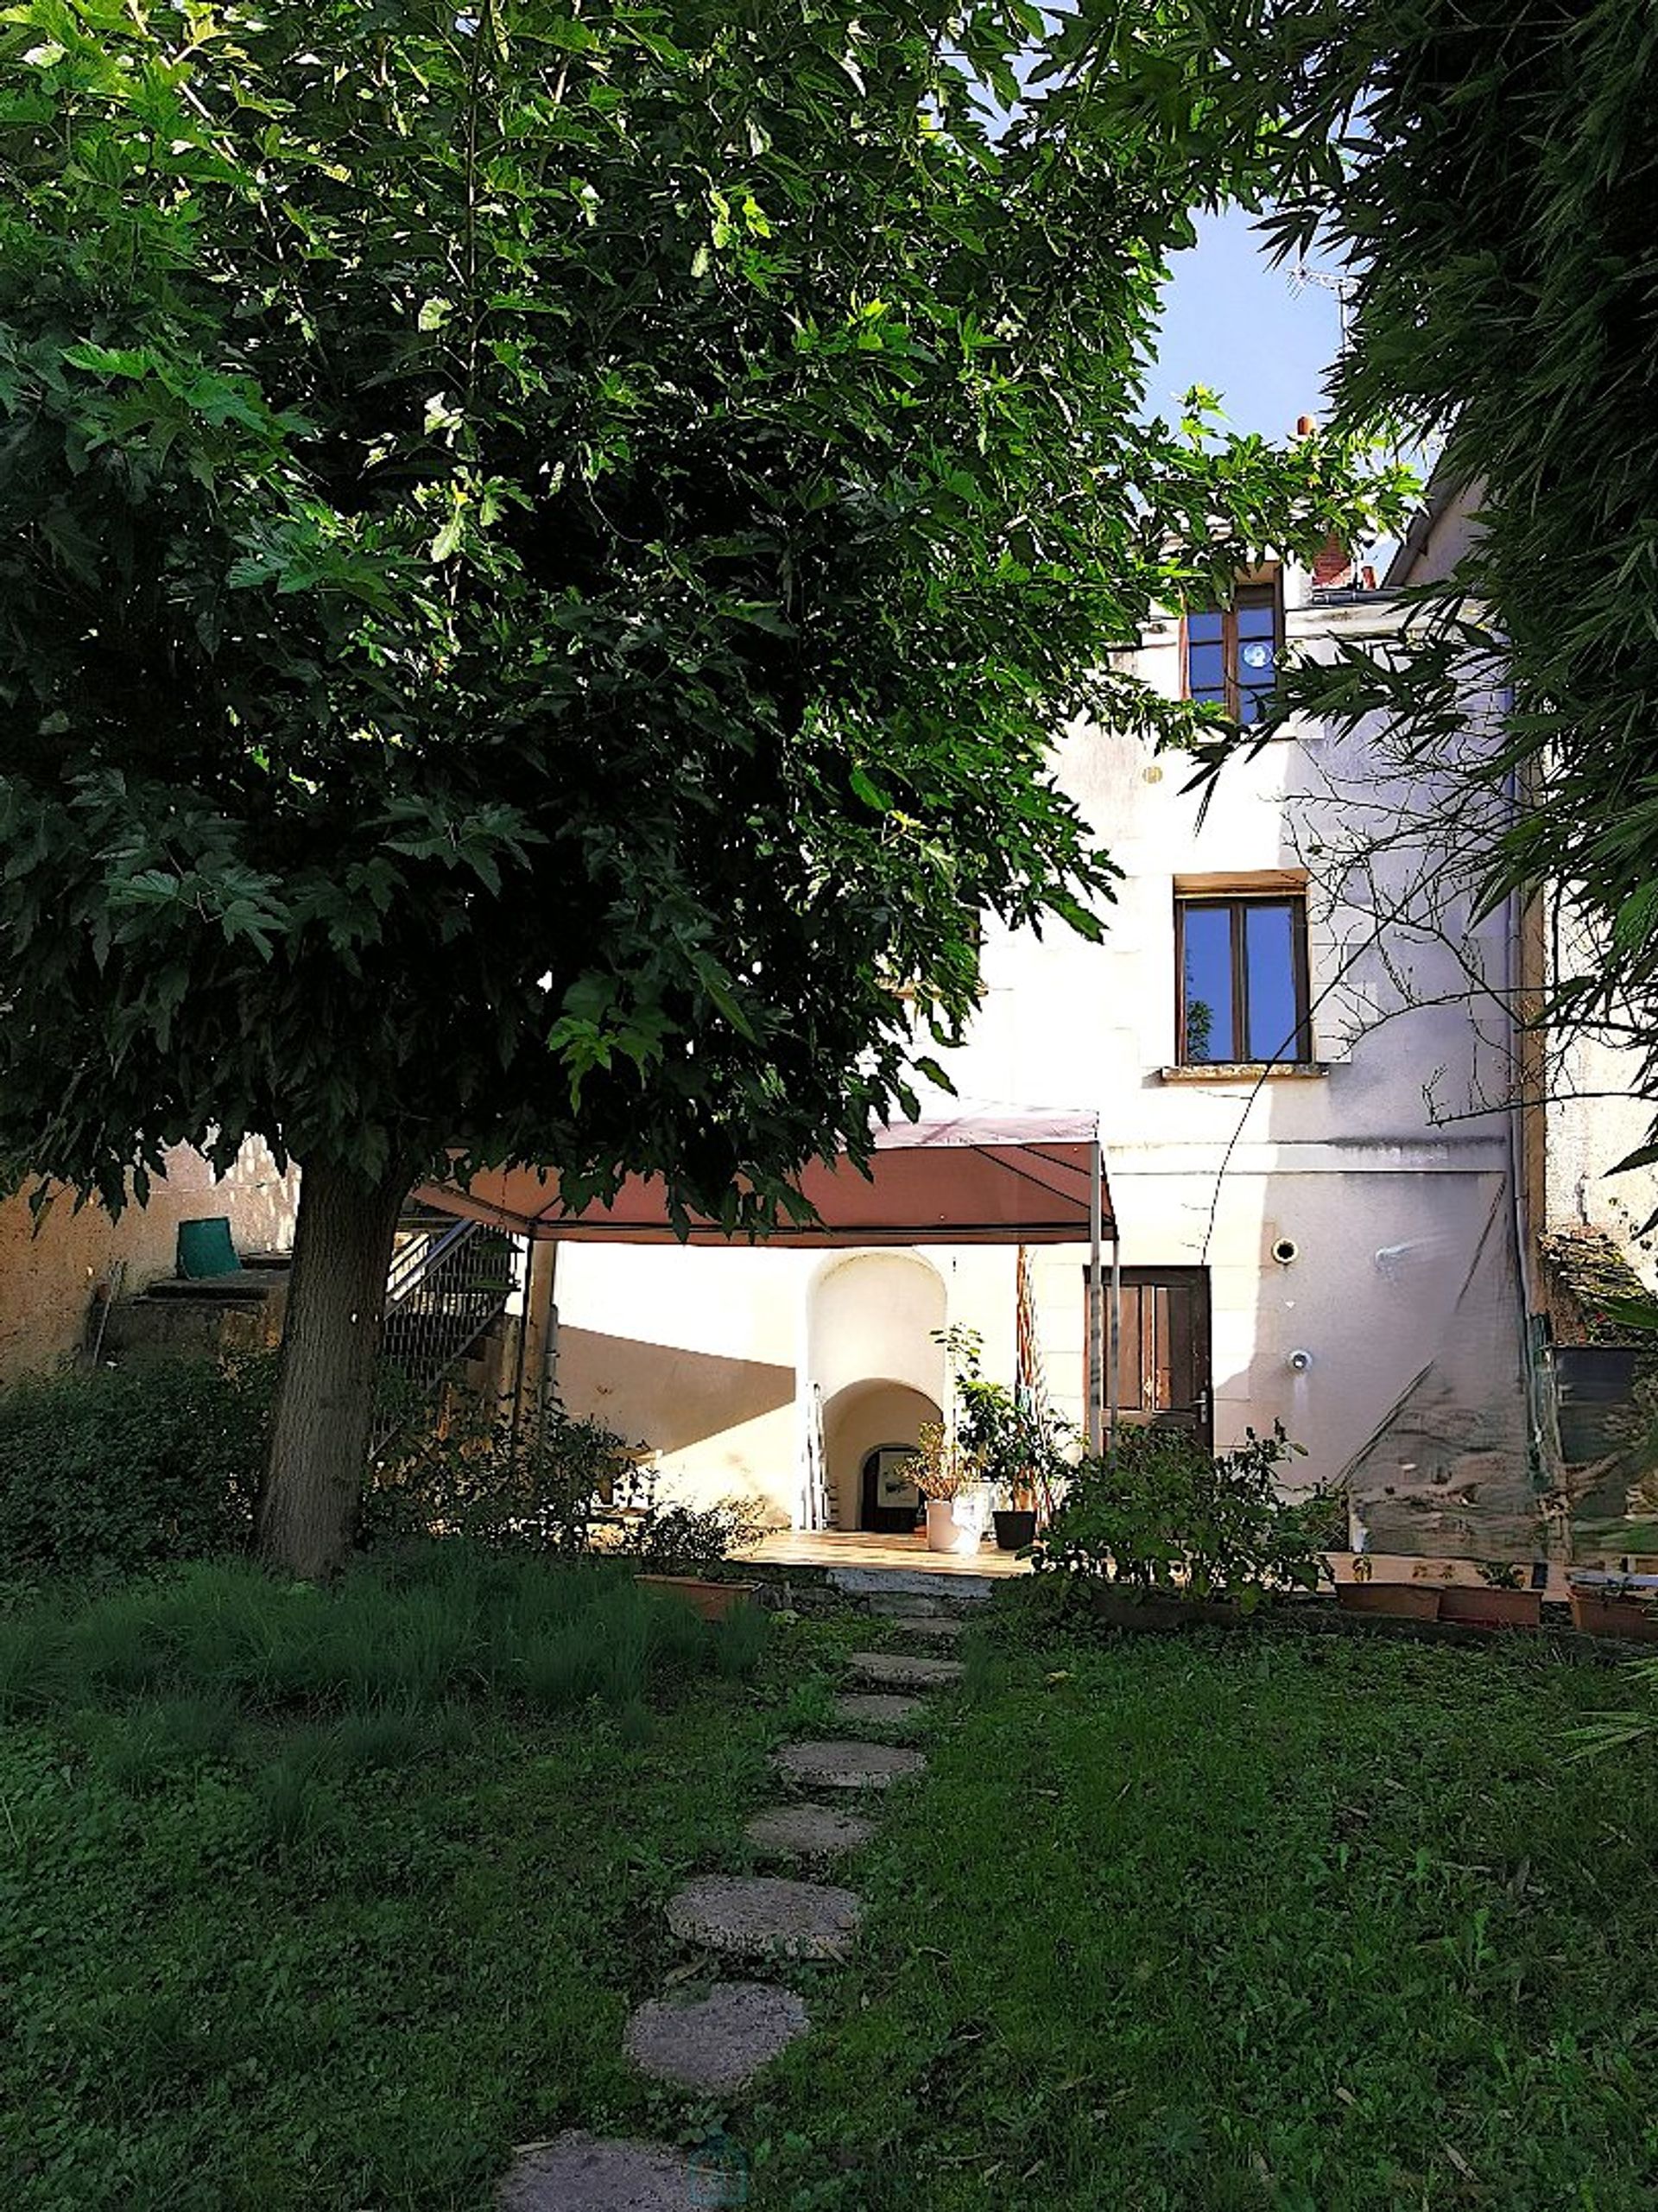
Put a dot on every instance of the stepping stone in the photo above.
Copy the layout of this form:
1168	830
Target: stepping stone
875	1709
576	2172
808	1832
846	1765
889	1671
760	1916
717	2043
942	1629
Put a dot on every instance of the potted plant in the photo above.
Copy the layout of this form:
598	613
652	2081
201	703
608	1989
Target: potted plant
1614	1605
1503	1602
1017	1448
673	1546
952	1479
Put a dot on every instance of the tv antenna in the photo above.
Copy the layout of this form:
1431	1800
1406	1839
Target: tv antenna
1303	274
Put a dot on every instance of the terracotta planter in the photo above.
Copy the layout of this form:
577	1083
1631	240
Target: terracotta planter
953	1524
1399	1601
1485	1608
1634	1618
713	1601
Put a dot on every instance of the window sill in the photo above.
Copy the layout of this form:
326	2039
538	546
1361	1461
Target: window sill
1248	1071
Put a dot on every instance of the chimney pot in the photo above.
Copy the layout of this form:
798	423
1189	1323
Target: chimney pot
1305	426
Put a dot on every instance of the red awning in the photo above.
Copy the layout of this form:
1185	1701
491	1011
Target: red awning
985	1175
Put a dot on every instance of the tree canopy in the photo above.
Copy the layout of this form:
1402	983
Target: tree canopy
1488	174
544	550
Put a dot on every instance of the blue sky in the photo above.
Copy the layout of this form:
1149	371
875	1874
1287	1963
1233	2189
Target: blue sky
1231	321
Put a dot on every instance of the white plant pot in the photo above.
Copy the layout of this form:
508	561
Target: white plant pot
954	1524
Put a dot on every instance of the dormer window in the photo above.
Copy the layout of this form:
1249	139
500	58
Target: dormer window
1231	652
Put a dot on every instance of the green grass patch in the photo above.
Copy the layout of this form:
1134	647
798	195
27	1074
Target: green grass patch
325	1900
1266	1921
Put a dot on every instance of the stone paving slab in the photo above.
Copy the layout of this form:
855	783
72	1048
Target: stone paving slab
717	2042
808	1831
953	1586
939	1628
894	1670
820	1765
875	1709
578	2172
763	1916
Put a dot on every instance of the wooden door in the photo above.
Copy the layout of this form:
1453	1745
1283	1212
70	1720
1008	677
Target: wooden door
1163	1367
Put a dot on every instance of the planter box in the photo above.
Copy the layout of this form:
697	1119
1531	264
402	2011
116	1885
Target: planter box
713	1601
1485	1608
1014	1530
1398	1600
1594	1614
1157	1614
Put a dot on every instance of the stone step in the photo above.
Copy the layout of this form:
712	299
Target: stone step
809	1832
895	1587
939	1629
578	2172
896	1670
717	2043
875	1709
846	1765
763	1916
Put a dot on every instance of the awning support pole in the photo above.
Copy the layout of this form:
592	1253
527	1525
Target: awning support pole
1096	1315
1115	1361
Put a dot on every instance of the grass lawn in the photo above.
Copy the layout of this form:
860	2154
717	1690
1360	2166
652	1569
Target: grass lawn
320	1902
314	1902
1299	1923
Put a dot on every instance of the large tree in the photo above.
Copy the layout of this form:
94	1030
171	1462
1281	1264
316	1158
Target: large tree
540	553
1487	171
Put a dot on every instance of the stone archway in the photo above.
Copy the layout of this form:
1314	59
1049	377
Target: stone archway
871	1349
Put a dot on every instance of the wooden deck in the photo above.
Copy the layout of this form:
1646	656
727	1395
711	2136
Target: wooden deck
850	1548
846	1547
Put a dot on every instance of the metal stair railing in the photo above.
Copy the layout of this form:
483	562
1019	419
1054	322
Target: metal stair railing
445	1288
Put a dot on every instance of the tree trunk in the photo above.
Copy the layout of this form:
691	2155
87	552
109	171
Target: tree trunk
325	1390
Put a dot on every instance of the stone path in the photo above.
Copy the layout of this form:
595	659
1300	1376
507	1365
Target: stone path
584	2173
712	2043
808	1832
876	1708
717	2042
765	1917
846	1765
895	1670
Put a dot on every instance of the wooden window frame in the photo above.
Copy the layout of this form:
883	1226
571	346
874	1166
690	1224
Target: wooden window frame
1256	593
1235	900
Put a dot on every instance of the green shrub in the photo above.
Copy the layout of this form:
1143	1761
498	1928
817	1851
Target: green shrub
479	1480
125	1468
1159	1512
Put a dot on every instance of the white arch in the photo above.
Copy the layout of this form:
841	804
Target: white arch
869	1348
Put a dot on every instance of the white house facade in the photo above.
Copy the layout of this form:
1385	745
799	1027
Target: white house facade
1302	1102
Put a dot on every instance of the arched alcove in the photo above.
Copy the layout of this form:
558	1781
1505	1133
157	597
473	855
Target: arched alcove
871	1351
858	1421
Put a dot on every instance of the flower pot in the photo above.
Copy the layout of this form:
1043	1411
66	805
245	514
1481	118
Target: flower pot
1015	1529
713	1601
1401	1601
953	1524
1596	1613
1487	1608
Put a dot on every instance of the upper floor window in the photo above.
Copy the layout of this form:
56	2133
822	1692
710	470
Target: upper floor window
1241	961
1231	652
